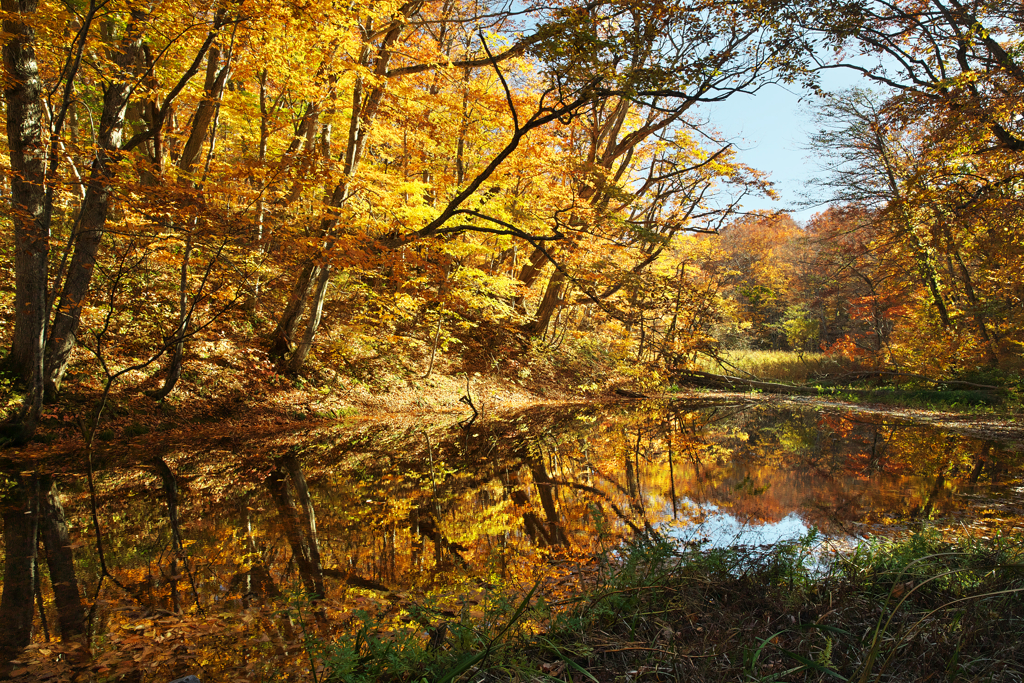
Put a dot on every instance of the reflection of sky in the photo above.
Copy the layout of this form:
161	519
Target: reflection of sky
722	529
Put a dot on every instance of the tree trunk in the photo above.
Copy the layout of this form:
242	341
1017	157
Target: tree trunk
991	358
252	300
288	323
216	77
21	526
365	104
29	213
92	217
298	358
184	317
204	124
528	275
60	560
552	297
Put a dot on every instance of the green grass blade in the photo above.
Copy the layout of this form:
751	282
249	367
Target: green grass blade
463	665
813	665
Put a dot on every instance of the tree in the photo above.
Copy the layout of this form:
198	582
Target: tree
934	202
951	55
30	211
604	59
758	250
848	281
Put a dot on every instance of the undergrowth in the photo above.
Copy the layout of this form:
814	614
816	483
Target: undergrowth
960	400
923	608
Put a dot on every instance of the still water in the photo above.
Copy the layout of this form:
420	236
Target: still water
210	555
398	506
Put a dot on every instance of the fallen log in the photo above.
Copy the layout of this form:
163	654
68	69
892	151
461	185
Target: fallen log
893	374
729	383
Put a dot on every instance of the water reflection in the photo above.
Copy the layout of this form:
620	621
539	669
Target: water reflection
372	508
716	529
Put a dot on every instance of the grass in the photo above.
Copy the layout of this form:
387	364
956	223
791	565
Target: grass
827	371
924	608
961	400
778	366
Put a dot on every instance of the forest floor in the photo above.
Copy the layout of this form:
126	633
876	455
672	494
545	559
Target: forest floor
253	405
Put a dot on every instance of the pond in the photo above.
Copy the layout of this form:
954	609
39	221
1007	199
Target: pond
368	511
396	504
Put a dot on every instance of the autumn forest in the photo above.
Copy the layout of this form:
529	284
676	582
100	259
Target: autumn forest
235	217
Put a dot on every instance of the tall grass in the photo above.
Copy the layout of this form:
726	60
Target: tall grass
778	366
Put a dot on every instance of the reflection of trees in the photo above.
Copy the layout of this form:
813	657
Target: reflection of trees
835	468
378	508
21	524
171	495
32	512
60	561
288	488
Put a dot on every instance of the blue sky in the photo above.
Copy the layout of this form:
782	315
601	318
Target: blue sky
771	128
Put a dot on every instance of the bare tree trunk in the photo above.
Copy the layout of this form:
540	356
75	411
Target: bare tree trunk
976	313
203	124
433	347
365	104
206	112
928	275
291	464
528	275
60	560
252	300
21	526
29	211
184	317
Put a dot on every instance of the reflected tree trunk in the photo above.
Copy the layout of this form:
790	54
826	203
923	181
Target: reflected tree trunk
60	559
170	485
21	538
979	465
929	504
299	523
423	524
555	531
671	471
543	531
255	582
308	515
